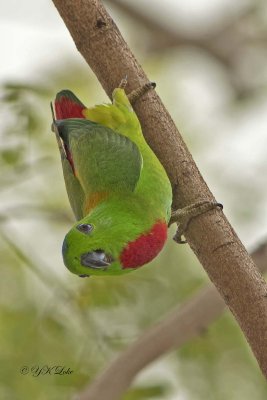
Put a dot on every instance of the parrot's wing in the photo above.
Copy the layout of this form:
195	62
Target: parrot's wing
103	160
74	190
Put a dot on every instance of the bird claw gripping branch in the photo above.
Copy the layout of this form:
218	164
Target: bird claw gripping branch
183	216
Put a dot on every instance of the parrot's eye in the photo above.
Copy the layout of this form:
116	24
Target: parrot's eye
85	228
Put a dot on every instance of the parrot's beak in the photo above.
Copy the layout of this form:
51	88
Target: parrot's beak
97	259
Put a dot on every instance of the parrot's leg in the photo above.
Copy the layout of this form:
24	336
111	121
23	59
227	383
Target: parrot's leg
139	92
123	82
184	215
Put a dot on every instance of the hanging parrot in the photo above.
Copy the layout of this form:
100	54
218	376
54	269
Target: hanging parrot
119	192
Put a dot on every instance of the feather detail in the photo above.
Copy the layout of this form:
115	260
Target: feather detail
145	247
105	114
93	200
67	105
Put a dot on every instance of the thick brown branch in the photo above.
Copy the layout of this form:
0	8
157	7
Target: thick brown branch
179	327
229	267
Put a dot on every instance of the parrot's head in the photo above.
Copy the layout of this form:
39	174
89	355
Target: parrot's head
112	240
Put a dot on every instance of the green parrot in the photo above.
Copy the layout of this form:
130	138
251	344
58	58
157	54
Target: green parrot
119	192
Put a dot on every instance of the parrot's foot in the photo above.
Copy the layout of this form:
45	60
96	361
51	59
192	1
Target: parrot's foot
123	82
139	92
184	215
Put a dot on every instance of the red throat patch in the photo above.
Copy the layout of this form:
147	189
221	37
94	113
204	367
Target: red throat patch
145	247
66	108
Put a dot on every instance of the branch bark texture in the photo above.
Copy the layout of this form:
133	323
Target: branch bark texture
210	236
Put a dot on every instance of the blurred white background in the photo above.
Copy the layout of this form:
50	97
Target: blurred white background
209	61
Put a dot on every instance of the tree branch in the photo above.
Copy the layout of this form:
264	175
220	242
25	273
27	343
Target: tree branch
210	235
180	326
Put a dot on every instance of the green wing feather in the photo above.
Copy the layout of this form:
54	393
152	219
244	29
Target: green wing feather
103	159
74	190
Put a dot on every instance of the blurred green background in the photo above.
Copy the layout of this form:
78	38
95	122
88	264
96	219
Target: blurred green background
209	62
